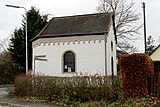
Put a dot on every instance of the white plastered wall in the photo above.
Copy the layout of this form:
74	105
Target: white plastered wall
89	58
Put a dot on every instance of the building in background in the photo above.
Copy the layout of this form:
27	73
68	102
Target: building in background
155	54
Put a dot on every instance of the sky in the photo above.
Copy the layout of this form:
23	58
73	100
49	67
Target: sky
11	18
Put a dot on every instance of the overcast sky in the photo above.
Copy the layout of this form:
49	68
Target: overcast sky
11	18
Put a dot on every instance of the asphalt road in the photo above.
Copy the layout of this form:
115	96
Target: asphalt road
5	98
3	91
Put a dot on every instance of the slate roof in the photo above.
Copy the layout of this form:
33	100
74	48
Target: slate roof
76	25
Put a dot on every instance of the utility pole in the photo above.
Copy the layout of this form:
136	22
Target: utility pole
144	16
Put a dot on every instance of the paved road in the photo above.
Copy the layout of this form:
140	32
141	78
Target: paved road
13	101
3	91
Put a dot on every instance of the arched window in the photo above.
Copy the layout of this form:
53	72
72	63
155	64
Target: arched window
111	46
69	62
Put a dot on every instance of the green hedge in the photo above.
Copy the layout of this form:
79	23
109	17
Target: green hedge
135	69
70	88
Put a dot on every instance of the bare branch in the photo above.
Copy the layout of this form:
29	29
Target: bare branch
125	19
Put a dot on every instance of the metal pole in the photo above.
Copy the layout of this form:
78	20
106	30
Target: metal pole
144	14
26	44
13	6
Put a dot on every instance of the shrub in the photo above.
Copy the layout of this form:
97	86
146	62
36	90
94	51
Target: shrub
8	69
135	69
68	88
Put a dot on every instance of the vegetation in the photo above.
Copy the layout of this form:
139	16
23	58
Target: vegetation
77	92
68	90
35	22
136	102
125	21
135	69
150	45
7	69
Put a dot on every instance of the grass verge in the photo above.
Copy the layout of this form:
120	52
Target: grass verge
132	102
6	85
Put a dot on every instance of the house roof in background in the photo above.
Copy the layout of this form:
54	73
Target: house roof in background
154	50
77	25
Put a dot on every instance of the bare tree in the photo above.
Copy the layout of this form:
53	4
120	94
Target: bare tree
125	21
150	46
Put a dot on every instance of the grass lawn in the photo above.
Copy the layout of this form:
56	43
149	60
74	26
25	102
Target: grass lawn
6	85
136	102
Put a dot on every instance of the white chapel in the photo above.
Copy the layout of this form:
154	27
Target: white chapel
76	45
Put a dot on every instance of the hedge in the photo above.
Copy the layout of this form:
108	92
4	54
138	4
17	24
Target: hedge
71	88
135	69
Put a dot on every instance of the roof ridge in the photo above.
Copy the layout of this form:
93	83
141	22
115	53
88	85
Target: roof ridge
82	15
